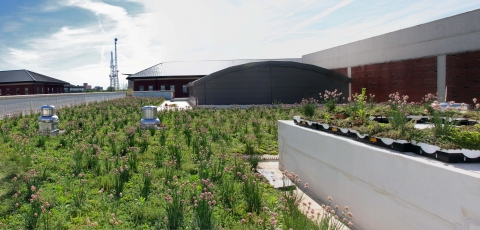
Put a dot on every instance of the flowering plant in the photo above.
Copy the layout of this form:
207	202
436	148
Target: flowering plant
397	115
330	99
309	106
443	125
476	105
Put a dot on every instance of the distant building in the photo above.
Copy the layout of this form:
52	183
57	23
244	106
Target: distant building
24	82
74	89
86	86
98	88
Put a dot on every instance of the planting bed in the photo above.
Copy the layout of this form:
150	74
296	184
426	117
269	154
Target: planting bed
106	172
450	134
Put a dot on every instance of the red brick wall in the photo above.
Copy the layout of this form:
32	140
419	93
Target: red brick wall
178	83
463	77
32	89
13	89
414	77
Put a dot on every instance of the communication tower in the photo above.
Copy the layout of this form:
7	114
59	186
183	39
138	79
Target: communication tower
114	84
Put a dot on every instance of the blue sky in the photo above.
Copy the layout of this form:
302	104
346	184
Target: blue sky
72	39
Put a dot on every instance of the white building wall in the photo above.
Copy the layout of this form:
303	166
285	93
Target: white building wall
459	33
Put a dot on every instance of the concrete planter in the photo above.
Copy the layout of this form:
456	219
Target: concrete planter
402	146
417	192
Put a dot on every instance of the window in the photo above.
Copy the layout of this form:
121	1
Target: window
43	90
48	90
185	90
172	87
140	88
26	91
8	91
0	92
38	90
150	88
18	91
162	87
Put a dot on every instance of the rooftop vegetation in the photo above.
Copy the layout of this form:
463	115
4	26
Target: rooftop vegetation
105	172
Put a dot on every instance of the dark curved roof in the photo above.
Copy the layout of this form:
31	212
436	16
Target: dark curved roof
196	68
314	68
14	76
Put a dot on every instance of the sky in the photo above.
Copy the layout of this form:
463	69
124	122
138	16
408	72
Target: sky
71	40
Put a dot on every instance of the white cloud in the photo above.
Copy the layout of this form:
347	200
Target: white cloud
23	56
82	54
309	21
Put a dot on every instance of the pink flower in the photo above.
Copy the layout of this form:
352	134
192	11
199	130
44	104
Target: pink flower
32	188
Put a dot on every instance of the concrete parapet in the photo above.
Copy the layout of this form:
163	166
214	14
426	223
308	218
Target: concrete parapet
384	189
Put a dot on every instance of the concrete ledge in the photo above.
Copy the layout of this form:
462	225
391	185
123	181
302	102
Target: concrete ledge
27	103
384	189
108	94
167	94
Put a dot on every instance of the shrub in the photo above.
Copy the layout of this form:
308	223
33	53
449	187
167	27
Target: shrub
309	107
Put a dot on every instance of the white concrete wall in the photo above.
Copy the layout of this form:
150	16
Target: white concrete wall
384	189
27	103
459	33
167	94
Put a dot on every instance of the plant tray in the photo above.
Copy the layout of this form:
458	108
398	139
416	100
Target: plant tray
306	123
338	131
434	152
446	156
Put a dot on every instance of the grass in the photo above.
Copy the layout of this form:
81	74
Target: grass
104	172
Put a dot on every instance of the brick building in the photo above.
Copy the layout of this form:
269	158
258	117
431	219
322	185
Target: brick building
441	57
24	82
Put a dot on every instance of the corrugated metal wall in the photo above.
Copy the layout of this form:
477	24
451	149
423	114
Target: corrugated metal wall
266	85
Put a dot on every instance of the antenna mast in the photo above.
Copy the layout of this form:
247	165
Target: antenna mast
114	84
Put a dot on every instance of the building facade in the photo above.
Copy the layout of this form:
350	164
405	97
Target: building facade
175	76
441	57
25	82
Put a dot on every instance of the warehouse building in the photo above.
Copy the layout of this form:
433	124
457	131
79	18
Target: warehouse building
265	82
24	82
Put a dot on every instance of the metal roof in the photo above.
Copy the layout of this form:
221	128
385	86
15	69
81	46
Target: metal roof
299	65
14	76
197	68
